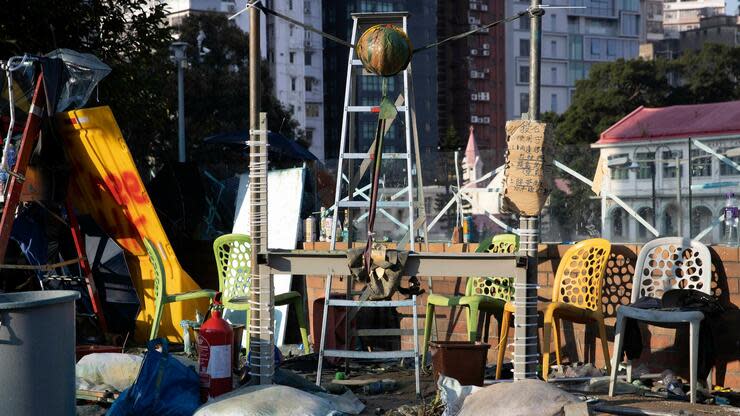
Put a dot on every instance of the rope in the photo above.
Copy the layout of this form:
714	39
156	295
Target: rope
42	267
258	4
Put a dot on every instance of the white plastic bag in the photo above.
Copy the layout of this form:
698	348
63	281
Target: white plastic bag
274	400
105	371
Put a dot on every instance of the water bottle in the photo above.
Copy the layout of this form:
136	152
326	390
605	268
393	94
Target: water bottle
730	216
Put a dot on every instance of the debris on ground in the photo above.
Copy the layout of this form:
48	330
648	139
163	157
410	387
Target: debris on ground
516	399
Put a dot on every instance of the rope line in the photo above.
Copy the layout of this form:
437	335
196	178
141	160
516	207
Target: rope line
258	4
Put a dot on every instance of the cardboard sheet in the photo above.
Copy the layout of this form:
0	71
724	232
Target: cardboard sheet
528	173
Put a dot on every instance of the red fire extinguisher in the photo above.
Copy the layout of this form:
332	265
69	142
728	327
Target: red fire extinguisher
215	341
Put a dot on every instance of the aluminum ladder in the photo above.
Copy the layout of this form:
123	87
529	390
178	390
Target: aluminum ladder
413	202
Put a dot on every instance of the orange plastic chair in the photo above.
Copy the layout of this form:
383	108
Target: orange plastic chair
576	297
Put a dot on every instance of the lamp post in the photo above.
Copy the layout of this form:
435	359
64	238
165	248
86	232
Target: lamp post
180	58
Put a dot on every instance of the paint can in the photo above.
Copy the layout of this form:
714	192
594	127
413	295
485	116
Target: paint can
467	229
309	228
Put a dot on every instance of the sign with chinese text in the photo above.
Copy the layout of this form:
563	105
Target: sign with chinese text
528	172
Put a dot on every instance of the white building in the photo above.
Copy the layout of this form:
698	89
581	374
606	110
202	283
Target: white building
660	135
572	40
682	15
293	54
295	57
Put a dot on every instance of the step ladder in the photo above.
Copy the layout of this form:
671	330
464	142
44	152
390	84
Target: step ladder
415	224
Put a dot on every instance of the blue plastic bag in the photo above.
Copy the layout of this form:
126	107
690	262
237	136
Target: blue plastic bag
164	387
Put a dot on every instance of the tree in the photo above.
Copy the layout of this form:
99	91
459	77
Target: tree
217	88
129	35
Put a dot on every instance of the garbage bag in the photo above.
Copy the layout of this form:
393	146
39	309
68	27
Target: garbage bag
164	387
273	400
108	370
520	398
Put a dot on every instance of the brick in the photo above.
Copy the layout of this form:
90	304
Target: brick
726	254
732	270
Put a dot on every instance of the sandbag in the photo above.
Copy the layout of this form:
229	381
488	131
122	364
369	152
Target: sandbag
104	371
521	398
273	400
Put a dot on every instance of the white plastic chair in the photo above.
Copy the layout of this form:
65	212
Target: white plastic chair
664	264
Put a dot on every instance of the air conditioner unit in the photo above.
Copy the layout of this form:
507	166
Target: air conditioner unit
486	120
486	52
473	97
473	119
484	7
473	6
307	43
486	46
474	52
473	74
472	20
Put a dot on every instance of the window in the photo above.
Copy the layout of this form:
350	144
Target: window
620	172
292	83
553	22
309	83
525	23
523	47
554	103
291	57
669	163
574	24
727	170
701	163
575	47
524	102
554	75
596	47
312	110
645	163
309	135
553	49
611	47
290	29
618	217
290	4
630	24
524	74
647	214
307	7
307	58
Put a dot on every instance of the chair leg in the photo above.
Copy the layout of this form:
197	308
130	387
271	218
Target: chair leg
300	313
546	328
556	338
473	311
502	339
604	344
694	353
428	321
616	358
157	319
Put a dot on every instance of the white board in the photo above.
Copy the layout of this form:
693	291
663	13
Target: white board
285	193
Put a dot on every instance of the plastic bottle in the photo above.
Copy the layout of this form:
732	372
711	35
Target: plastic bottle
730	216
322	230
345	228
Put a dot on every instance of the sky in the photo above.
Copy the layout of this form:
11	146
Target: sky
731	7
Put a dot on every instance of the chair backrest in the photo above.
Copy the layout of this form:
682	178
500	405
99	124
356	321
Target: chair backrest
671	263
495	287
234	265
160	281
580	274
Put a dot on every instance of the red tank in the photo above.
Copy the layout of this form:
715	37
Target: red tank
215	341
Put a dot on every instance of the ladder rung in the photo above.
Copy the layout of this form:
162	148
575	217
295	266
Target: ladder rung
368	354
370	108
356	62
367	156
371	303
366	204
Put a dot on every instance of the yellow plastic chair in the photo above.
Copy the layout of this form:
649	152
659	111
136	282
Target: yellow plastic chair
232	253
161	297
482	294
576	297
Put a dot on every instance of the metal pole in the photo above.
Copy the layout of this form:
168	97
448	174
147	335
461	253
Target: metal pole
181	109
261	338
653	169
526	357
678	196
691	163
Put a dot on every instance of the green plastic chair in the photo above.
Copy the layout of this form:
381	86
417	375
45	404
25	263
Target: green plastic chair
482	294
232	253
161	297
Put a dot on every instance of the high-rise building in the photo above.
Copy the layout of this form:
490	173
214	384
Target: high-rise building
682	15
652	20
294	55
471	77
337	20
573	39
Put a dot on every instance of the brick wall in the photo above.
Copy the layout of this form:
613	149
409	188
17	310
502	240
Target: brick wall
662	347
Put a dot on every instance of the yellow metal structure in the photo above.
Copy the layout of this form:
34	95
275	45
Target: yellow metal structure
106	185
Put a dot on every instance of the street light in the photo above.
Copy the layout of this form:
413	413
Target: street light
180	57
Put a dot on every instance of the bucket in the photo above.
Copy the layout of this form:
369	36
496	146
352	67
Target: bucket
37	353
462	360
